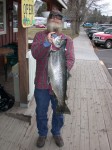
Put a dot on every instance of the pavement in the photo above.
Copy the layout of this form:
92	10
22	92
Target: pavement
84	50
89	127
83	47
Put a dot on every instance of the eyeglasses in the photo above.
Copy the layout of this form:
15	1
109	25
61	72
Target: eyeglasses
59	17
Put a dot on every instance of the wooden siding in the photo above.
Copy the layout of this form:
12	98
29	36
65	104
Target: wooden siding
9	37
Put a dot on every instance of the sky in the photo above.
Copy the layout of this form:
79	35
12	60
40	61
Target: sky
107	10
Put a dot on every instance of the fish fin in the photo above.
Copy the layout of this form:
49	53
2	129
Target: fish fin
68	74
48	80
63	109
66	97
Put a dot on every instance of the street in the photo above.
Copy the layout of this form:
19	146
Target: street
105	55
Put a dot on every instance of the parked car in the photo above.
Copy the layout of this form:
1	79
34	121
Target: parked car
103	38
100	29
87	25
90	29
40	20
68	24
40	26
107	25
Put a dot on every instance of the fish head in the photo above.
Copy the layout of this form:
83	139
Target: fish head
59	42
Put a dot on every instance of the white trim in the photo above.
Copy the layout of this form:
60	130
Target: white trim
62	3
4	15
32	70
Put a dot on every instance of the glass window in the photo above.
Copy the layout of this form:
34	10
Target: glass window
15	16
2	17
107	31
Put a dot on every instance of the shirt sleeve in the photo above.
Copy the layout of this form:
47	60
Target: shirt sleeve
38	49
70	55
47	44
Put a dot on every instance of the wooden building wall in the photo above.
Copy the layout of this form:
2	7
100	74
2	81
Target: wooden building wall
10	36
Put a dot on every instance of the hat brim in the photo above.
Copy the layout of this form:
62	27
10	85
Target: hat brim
56	13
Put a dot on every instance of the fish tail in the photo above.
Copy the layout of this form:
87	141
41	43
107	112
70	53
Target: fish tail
68	74
63	109
66	97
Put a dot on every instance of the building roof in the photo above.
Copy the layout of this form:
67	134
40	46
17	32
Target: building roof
62	2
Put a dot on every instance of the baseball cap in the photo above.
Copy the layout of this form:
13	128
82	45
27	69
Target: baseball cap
55	13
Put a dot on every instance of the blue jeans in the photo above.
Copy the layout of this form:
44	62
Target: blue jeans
42	98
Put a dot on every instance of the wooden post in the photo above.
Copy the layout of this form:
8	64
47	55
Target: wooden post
23	64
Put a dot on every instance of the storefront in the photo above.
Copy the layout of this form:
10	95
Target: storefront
14	24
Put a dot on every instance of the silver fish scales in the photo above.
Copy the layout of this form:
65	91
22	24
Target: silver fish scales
57	72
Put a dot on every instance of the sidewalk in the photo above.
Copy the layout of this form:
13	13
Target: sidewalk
89	127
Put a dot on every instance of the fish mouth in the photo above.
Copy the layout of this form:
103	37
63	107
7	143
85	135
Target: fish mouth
58	41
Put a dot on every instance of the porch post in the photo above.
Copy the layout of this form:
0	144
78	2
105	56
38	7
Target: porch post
23	64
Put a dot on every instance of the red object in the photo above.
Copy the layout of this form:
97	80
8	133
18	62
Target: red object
103	38
40	26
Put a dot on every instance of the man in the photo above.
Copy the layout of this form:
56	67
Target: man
40	49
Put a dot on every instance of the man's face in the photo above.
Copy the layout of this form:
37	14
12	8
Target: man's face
54	23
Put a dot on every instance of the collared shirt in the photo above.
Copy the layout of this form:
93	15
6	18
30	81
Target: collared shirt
40	53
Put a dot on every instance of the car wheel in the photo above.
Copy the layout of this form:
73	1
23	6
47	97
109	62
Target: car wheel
90	38
108	44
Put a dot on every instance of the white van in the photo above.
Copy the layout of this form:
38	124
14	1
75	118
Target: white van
40	21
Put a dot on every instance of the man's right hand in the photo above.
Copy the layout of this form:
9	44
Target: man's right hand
49	37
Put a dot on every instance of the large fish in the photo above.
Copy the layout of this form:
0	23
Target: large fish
57	72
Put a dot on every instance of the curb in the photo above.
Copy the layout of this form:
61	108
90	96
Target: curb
106	72
104	67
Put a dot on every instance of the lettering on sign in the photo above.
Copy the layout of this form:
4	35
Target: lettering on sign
27	13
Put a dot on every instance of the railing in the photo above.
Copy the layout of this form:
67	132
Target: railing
32	69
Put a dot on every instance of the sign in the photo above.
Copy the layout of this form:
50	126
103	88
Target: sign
27	13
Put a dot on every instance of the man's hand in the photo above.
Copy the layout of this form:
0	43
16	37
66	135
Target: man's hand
49	37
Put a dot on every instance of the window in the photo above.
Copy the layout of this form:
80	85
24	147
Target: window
2	17
15	16
108	31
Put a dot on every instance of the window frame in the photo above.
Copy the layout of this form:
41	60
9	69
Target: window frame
4	17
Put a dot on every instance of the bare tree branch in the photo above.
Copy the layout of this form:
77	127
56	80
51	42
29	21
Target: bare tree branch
77	10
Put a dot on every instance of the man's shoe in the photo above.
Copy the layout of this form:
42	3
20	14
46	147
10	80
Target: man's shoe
58	140
41	141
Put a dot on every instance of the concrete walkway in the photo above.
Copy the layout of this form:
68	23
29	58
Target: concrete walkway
84	48
89	127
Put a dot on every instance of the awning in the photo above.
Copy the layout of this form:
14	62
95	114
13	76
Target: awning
62	3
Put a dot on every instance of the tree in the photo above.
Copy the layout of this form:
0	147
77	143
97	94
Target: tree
73	14
96	16
77	10
111	19
40	7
